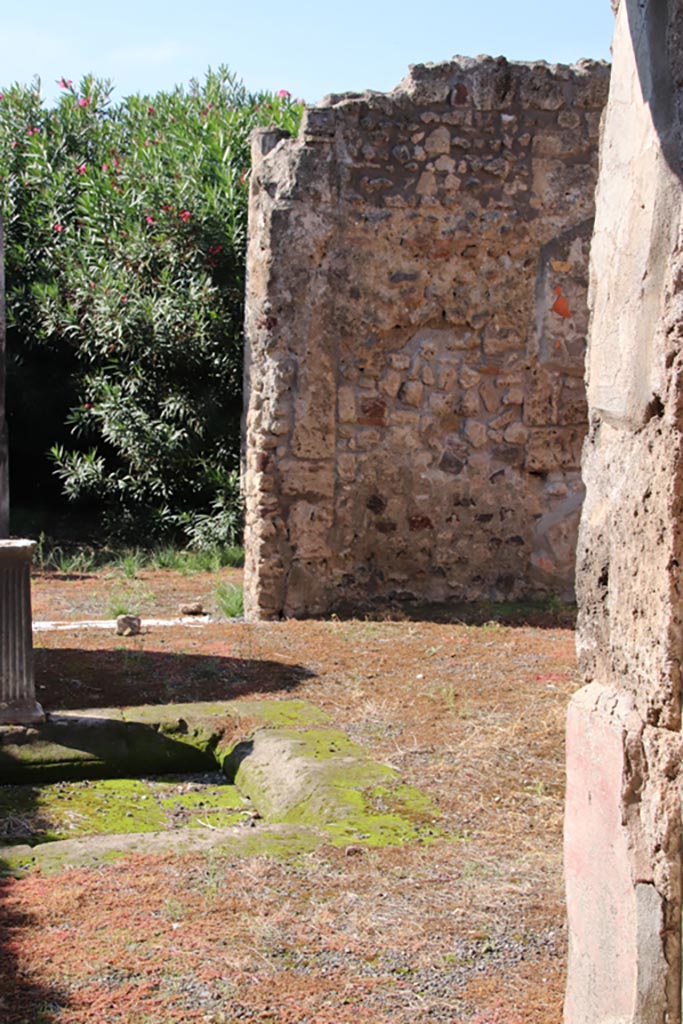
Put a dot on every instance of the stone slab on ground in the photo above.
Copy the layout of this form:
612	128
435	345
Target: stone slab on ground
110	742
281	755
236	841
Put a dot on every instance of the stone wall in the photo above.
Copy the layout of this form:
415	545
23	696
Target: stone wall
624	751
416	320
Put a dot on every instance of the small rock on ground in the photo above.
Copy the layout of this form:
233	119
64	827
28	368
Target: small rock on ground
128	625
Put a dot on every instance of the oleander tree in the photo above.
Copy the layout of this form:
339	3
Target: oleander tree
126	238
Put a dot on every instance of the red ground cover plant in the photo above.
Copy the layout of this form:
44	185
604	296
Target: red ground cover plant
466	930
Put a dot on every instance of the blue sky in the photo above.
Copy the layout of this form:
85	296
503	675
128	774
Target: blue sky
310	48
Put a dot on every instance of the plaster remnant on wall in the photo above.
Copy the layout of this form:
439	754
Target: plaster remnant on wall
416	321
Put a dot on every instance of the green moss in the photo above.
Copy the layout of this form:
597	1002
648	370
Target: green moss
279	842
41	814
16	860
325	744
320	778
216	806
385	814
262	842
275	714
69	809
310	781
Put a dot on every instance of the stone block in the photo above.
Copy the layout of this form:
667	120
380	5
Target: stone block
410	392
618	968
553	448
346	405
490	396
516	433
303	477
476	433
308	526
438	141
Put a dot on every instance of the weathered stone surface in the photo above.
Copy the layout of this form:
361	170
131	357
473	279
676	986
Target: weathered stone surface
418	263
619	921
191	608
128	625
623	823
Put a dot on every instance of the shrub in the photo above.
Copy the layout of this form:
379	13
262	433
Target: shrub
230	600
126	239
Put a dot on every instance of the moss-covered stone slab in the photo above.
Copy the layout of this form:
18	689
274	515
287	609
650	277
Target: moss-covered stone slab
96	746
150	739
319	777
281	757
277	841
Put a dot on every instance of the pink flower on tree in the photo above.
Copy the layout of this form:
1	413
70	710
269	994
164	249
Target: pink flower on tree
150	220
57	228
82	168
84	101
64	83
150	111
284	94
185	216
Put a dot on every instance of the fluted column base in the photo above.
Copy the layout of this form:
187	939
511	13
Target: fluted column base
18	704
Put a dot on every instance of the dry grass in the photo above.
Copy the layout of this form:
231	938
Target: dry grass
466	930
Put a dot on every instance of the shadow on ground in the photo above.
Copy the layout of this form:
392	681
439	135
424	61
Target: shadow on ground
23	1000
68	678
543	614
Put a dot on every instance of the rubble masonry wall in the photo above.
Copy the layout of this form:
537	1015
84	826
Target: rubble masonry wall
416	321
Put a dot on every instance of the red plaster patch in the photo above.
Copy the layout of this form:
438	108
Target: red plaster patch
561	306
460	94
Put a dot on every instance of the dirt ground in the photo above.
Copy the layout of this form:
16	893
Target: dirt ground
468	929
